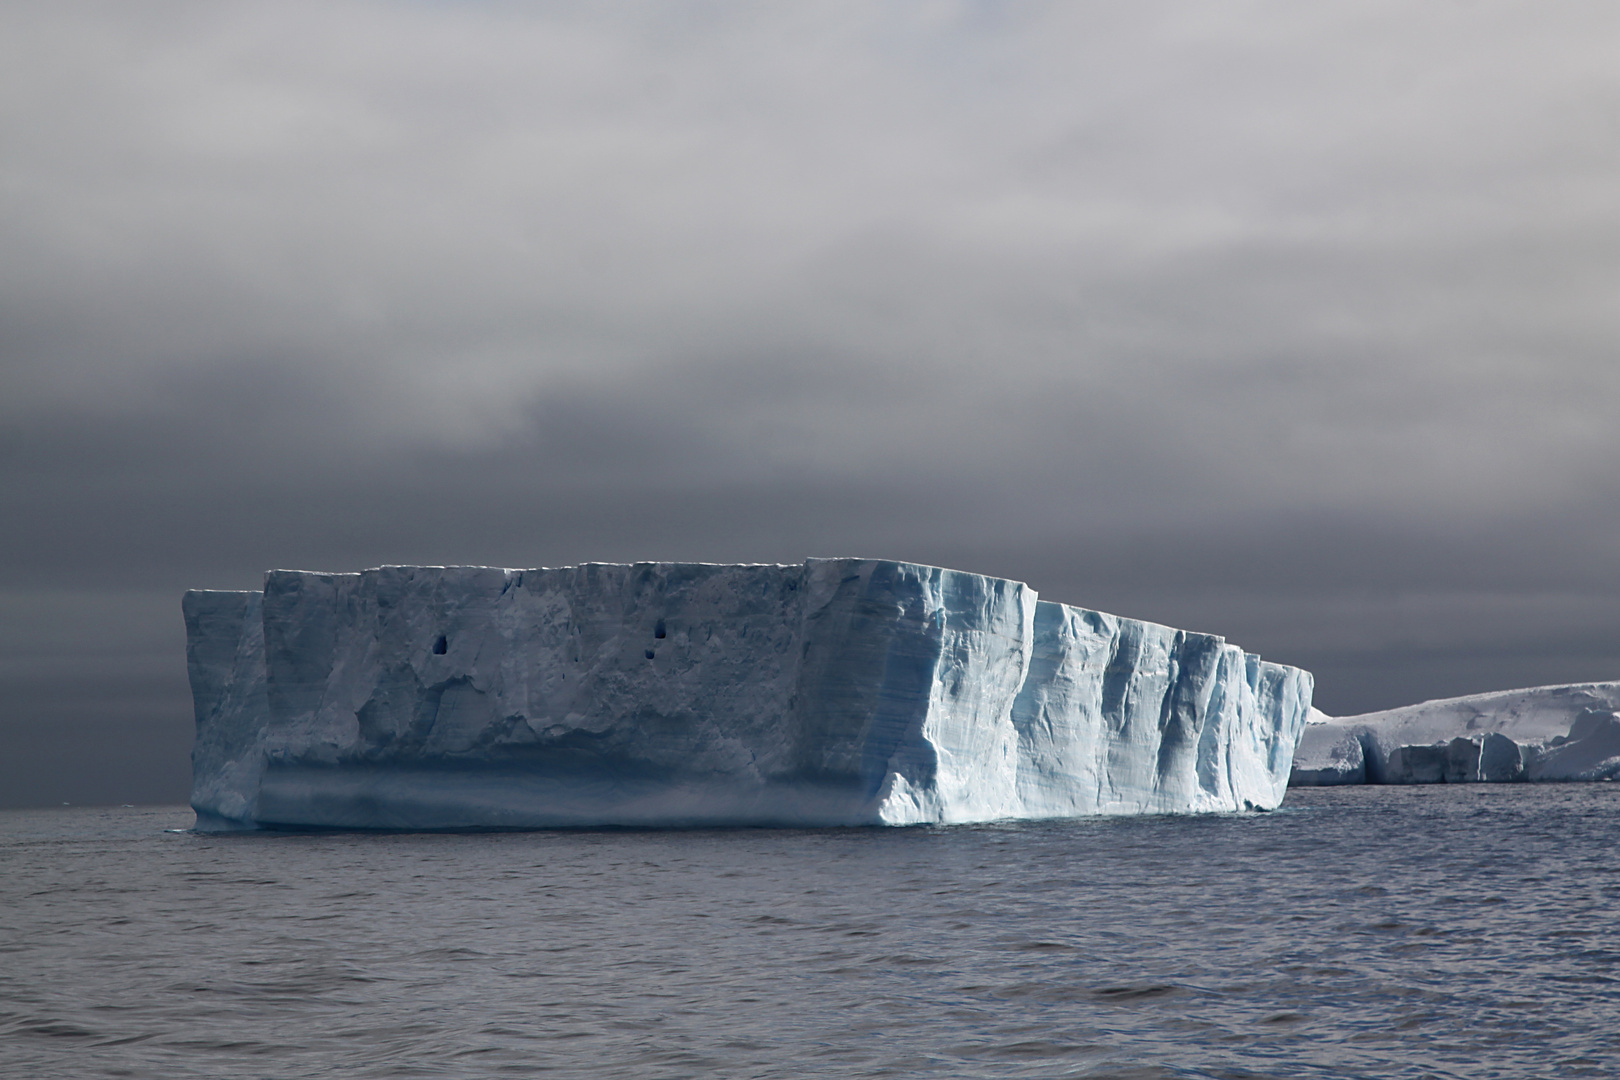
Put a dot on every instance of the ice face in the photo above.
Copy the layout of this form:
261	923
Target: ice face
1327	755
836	692
1121	716
226	662
1542	733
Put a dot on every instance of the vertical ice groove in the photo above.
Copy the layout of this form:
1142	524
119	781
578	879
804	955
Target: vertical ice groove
838	691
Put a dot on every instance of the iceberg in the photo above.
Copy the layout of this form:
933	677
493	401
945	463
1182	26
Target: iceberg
833	692
1546	733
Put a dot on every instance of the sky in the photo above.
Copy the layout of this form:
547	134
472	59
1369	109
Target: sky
1295	323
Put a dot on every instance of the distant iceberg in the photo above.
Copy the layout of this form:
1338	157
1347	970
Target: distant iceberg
836	692
1542	733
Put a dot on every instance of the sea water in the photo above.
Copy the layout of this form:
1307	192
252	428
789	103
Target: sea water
1464	931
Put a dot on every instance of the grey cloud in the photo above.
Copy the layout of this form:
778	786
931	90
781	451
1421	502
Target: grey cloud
1290	322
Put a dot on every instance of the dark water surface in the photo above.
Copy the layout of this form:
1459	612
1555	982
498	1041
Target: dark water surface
1383	932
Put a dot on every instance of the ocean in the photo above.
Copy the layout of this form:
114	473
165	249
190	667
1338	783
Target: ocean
1461	931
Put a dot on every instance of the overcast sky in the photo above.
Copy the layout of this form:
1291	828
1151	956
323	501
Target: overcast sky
1298	323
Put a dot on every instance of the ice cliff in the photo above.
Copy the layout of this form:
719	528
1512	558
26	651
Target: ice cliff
837	692
1543	733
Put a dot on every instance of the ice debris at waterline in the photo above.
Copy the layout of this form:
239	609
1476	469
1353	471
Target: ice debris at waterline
1543	733
837	692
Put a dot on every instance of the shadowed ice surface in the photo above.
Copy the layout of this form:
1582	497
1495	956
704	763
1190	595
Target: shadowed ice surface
1453	931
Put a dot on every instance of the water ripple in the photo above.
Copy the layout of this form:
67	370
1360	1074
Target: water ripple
1455	932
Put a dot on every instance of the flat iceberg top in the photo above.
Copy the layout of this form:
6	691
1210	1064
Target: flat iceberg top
666	566
837	691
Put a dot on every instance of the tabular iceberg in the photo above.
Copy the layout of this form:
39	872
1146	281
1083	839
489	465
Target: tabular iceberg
836	692
1542	733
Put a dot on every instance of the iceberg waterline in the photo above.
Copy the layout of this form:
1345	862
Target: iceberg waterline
834	692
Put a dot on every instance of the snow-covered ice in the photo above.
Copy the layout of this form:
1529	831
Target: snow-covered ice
1542	733
836	692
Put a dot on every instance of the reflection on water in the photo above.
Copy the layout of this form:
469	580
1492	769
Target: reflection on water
1449	931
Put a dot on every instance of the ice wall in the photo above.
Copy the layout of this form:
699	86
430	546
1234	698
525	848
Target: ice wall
1122	716
1552	733
840	691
